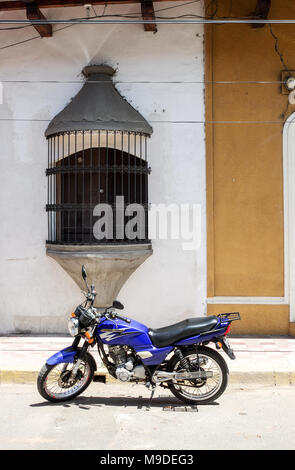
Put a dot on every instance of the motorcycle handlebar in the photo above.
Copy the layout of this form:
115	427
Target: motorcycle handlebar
115	315
122	318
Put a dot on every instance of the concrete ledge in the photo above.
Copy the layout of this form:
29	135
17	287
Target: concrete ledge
18	376
262	378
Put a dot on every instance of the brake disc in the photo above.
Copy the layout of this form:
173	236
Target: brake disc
64	380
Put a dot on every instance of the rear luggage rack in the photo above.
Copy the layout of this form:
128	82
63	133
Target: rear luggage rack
229	316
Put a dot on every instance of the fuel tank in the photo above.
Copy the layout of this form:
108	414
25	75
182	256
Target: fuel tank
133	334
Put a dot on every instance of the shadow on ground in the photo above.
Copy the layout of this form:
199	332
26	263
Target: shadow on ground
166	403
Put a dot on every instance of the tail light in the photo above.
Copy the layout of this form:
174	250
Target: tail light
227	330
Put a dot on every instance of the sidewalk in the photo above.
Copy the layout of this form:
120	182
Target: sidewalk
265	361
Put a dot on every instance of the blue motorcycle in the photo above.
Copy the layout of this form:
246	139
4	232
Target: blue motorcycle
174	357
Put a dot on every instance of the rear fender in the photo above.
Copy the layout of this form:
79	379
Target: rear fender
68	355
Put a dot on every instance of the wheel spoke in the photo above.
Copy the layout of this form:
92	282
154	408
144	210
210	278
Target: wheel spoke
194	389
56	383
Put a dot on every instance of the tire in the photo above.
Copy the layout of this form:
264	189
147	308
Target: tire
221	371
85	373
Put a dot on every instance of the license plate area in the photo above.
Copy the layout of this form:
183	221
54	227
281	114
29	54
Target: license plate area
226	347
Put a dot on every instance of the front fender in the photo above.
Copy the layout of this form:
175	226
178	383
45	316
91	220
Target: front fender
65	355
69	355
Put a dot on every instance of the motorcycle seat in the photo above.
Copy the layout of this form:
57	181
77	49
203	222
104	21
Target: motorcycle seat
169	335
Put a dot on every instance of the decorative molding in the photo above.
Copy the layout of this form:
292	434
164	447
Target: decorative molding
247	300
289	211
209	132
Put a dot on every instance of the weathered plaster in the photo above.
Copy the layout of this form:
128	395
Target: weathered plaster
36	293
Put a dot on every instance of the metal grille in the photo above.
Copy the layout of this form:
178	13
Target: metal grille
89	169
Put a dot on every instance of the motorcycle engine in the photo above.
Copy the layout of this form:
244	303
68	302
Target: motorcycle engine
126	368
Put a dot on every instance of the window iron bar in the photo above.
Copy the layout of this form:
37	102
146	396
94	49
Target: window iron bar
86	169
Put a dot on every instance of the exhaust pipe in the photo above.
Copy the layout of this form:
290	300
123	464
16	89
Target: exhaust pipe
163	376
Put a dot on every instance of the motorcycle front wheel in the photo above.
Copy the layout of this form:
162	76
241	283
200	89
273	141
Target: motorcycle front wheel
55	383
201	390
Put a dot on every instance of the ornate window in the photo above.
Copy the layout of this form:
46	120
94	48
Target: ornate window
97	156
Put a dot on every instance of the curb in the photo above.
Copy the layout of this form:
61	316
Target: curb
262	378
235	378
30	376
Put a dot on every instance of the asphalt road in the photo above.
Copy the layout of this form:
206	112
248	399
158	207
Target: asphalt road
115	416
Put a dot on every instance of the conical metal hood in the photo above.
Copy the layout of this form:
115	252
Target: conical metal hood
98	106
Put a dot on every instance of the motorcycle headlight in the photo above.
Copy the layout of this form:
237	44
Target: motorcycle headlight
73	326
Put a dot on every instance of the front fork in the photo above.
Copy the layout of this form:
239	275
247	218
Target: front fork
73	355
80	355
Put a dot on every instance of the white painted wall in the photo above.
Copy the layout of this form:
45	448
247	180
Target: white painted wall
36	294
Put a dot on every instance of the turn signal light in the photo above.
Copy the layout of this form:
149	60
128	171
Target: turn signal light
89	339
73	315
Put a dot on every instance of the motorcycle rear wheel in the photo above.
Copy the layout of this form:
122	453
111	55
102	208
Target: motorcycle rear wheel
200	391
53	380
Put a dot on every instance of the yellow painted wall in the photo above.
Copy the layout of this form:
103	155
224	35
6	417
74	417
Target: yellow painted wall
257	319
244	156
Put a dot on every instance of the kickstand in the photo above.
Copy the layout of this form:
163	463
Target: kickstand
150	400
